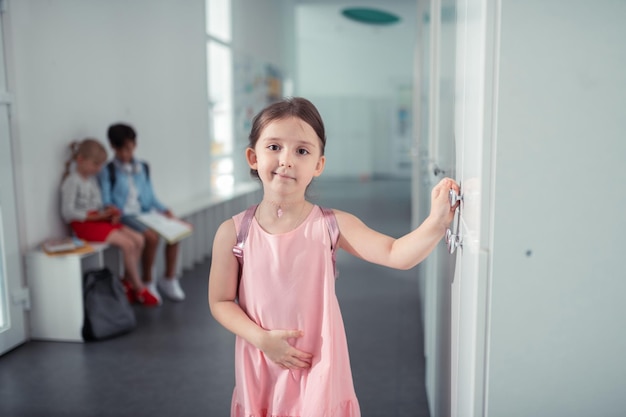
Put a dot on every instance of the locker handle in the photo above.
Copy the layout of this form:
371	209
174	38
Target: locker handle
453	197
453	241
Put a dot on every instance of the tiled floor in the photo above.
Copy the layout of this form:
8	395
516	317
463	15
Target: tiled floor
179	362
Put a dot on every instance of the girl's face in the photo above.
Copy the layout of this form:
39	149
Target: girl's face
287	156
87	167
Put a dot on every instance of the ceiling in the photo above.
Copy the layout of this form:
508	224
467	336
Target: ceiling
322	19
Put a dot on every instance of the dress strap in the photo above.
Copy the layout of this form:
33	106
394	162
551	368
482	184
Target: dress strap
244	227
333	229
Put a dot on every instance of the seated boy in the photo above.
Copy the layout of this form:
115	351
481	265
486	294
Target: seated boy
125	183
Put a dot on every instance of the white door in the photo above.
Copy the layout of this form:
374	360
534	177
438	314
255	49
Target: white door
438	38
469	304
13	298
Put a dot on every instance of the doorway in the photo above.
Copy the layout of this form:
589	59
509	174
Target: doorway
13	297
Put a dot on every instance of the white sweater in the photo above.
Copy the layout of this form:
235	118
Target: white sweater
78	196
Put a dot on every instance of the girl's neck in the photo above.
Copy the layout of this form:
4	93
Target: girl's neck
283	216
81	173
281	207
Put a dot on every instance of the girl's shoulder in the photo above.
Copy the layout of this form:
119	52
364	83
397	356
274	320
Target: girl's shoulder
245	215
338	213
346	220
71	178
226	233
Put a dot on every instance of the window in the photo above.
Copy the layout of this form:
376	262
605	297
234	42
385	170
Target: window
220	93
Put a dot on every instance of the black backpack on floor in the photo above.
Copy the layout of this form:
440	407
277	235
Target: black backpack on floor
107	310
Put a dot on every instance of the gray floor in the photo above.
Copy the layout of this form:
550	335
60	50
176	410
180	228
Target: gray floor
179	362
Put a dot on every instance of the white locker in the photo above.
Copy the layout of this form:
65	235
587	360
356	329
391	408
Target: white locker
537	307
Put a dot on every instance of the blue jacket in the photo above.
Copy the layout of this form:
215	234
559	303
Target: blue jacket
118	194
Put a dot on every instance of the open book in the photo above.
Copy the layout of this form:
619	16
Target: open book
172	230
66	246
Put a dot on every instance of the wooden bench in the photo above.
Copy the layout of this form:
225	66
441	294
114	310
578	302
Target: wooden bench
56	290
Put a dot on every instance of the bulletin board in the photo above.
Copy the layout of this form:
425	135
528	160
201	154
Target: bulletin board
256	84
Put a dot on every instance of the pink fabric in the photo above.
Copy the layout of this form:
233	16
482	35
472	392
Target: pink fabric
288	283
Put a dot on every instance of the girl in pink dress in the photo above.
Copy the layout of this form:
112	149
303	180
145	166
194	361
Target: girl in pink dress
291	356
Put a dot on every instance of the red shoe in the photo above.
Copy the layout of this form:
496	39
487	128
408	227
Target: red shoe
146	298
130	292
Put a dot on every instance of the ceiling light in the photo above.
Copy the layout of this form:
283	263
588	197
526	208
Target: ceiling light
370	16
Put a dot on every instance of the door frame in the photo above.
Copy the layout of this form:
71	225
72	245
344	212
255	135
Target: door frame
14	297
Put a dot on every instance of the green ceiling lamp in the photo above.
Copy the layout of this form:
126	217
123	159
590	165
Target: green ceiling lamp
370	16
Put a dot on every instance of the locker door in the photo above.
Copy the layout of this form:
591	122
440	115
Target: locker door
469	301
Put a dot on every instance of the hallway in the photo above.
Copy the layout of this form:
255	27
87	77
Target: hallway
179	361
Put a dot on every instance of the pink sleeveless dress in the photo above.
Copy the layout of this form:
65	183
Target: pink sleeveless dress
288	283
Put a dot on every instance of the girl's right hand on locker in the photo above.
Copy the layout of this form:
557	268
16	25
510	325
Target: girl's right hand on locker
440	210
277	348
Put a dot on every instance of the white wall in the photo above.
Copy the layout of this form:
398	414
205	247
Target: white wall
353	73
556	340
263	34
79	65
338	57
259	30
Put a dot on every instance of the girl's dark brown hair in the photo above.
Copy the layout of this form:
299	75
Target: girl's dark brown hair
298	107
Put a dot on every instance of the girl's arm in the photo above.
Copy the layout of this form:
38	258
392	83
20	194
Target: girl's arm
408	250
99	216
69	192
69	209
223	281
